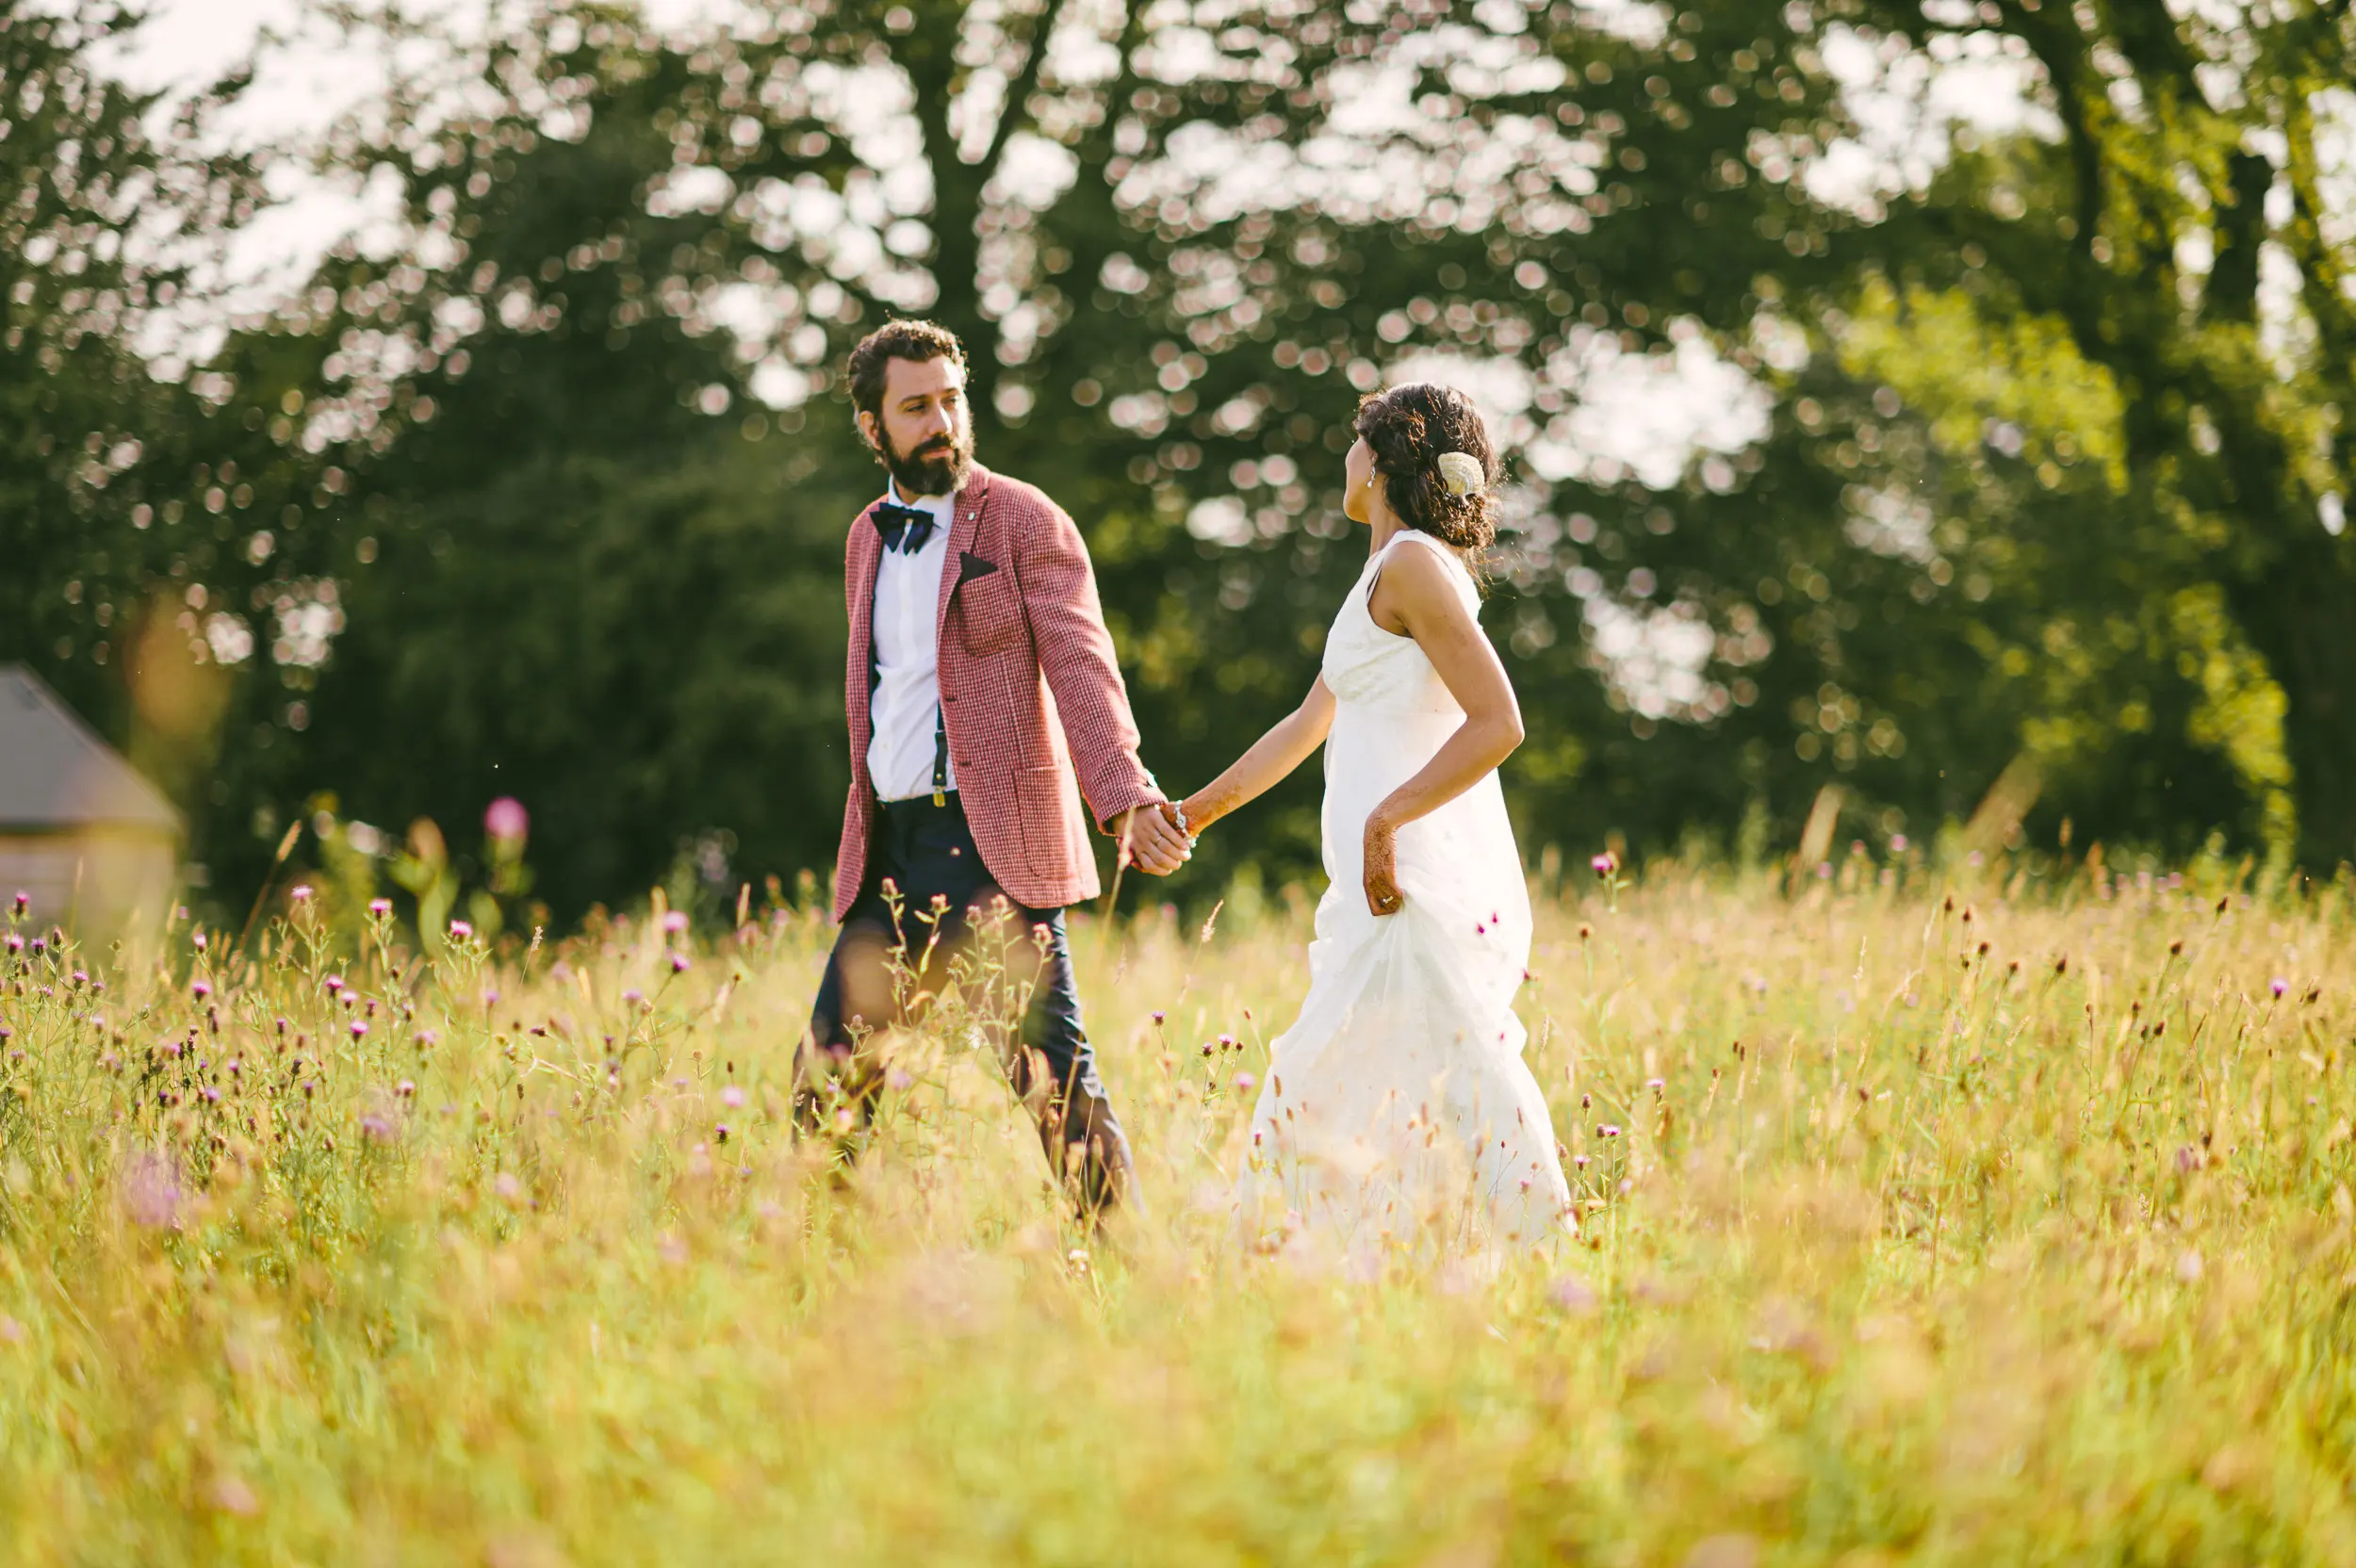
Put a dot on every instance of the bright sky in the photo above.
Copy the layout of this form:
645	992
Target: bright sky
309	77
1644	414
1638	414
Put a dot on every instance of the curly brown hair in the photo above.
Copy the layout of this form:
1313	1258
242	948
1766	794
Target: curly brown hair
914	340
1409	427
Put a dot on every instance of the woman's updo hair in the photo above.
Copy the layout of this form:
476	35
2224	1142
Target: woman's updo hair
1411	429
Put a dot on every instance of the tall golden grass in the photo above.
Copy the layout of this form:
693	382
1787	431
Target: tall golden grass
1937	1225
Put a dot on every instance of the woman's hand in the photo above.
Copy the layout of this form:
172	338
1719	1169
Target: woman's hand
1181	815
1382	861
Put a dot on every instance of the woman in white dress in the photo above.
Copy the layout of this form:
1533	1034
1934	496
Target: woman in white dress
1397	1113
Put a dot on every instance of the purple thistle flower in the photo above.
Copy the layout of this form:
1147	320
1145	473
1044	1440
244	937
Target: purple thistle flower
2280	987
1605	864
334	983
377	1127
460	930
358	1028
1245	1082
506	821
150	1191
678	963
198	941
200	990
300	893
634	996
1607	1129
24	901
380	906
16	943
732	1097
674	921
1898	843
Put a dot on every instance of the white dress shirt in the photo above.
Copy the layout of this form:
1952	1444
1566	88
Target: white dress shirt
905	708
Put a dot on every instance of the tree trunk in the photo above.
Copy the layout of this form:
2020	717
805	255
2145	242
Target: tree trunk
2301	617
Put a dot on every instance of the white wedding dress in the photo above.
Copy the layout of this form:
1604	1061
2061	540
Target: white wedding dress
1398	1113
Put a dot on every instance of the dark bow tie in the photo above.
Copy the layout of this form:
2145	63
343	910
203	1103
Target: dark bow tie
904	528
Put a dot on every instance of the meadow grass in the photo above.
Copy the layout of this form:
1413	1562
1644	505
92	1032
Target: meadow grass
1936	1225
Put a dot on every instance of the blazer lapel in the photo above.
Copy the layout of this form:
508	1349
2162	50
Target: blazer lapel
972	498
864	558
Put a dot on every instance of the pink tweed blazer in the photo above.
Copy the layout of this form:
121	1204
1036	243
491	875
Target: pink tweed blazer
1030	693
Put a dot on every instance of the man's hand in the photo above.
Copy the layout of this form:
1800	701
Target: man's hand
1149	841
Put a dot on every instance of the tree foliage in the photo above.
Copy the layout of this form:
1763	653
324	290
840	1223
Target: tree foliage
2031	475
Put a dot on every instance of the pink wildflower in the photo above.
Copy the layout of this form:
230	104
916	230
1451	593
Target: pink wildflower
505	819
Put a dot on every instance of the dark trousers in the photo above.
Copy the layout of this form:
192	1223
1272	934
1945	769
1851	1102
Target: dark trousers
929	917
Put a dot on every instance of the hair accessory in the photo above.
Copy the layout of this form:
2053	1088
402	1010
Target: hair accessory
1463	474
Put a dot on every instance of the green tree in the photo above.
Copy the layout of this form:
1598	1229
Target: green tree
138	581
605	571
2094	296
1145	342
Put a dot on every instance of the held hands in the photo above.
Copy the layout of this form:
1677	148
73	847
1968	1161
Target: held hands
1151	841
1381	862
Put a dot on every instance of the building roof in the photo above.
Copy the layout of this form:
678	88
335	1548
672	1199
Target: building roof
56	774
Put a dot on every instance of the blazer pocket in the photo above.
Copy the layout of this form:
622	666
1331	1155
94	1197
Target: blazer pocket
1045	793
989	613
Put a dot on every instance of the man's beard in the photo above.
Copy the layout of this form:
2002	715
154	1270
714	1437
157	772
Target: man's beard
936	469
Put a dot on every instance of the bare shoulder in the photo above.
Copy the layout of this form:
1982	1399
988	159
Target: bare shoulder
1418	584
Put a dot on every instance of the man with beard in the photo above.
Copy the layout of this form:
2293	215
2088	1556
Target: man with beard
984	703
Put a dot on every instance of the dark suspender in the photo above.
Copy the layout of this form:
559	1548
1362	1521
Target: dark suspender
940	751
